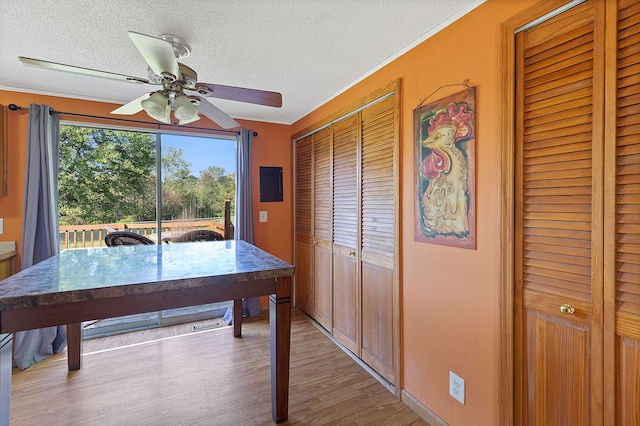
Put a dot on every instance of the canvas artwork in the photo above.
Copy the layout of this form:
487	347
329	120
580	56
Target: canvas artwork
444	148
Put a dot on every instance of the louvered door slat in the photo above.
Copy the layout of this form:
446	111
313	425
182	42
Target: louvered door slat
558	112
551	145
554	208
552	173
555	282
567	156
551	168
577	61
564	192
569	180
549	105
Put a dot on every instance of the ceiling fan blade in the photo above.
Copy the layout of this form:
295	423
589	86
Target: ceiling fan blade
216	115
133	107
79	70
158	53
242	94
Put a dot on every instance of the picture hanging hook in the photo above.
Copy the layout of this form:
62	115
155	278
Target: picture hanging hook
465	83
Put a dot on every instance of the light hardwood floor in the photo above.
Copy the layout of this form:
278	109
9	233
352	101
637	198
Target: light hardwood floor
164	377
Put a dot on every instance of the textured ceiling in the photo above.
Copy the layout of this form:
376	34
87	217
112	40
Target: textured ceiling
309	50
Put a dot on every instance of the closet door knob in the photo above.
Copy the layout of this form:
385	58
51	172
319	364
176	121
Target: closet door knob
352	253
567	309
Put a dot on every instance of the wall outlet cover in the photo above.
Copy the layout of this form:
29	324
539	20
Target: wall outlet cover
456	387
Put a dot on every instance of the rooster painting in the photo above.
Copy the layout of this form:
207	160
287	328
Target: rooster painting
443	174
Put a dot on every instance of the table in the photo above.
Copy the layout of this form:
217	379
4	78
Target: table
85	284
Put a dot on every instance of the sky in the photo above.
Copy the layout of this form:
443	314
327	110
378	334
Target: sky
203	152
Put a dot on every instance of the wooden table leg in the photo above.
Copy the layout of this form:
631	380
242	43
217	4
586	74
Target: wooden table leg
74	346
237	317
280	332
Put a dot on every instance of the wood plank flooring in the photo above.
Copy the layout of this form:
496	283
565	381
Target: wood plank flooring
203	378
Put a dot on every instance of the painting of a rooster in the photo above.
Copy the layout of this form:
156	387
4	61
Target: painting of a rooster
445	171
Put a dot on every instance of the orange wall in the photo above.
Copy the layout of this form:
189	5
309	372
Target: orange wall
271	148
450	309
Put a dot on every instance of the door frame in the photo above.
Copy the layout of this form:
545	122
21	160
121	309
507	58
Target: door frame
506	351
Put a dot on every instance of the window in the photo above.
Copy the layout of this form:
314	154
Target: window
109	180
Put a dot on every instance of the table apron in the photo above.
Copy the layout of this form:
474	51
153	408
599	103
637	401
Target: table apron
12	320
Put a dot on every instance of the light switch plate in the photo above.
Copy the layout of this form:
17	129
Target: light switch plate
1	225
263	216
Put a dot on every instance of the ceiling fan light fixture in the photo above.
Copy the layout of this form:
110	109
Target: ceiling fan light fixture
185	111
191	120
157	106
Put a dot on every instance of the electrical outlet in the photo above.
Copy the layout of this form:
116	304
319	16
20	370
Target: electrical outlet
456	387
263	216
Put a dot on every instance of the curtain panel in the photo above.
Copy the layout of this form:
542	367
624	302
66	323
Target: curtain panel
40	238
244	212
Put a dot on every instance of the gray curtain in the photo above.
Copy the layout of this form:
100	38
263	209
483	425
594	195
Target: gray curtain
244	206
40	239
244	211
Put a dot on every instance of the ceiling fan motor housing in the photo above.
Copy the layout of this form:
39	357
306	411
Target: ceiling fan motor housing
189	77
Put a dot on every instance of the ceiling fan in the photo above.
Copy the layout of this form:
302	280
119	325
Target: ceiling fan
181	91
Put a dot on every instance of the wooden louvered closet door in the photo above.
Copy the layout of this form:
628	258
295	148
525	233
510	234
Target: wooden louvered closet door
378	240
558	220
353	181
304	226
622	257
322	227
346	276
